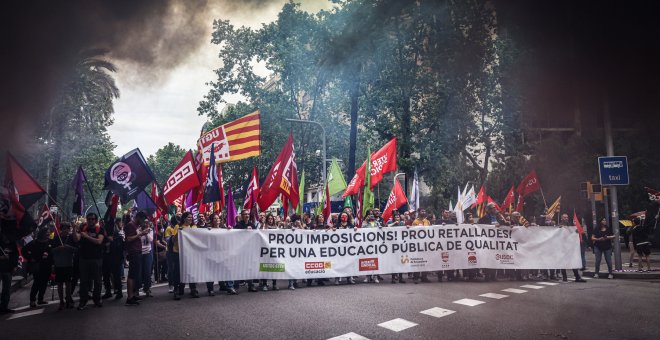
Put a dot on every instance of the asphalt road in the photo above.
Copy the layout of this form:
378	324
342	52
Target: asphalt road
598	309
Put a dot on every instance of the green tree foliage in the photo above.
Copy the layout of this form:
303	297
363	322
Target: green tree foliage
75	133
163	162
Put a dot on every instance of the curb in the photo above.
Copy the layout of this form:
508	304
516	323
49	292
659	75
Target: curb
632	275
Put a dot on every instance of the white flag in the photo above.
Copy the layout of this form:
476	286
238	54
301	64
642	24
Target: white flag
470	198
414	195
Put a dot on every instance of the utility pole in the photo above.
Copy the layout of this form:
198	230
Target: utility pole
609	144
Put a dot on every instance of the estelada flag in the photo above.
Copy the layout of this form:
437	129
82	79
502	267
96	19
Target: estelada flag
183	178
382	162
252	190
578	225
233	141
529	184
508	201
211	187
281	179
554	208
395	201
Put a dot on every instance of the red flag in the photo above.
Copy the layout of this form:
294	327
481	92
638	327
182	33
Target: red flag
184	178
357	218
395	201
22	189
481	197
529	185
491	200
519	206
282	178
45	216
654	195
327	208
508	201
161	205
578	225
252	190
382	162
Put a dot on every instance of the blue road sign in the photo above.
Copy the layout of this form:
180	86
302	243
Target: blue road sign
613	170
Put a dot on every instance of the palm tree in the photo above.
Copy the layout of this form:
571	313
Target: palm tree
85	103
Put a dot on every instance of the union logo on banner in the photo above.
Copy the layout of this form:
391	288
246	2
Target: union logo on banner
235	140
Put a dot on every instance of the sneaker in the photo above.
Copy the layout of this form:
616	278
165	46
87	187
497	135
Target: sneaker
171	290
137	297
148	294
291	287
134	302
119	296
566	280
351	281
376	280
252	289
176	296
107	295
264	288
211	293
336	282
33	304
232	291
596	276
320	283
275	287
366	280
402	280
580	280
81	306
194	294
610	276
393	281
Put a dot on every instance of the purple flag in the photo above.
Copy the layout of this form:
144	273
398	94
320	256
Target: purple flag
143	202
190	207
231	210
79	203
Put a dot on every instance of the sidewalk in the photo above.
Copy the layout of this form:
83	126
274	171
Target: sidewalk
627	272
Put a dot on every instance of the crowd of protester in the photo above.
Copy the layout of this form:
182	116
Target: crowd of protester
134	250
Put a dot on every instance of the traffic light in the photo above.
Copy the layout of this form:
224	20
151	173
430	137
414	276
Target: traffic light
584	190
596	188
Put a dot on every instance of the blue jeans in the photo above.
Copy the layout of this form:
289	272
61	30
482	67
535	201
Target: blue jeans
608	259
147	262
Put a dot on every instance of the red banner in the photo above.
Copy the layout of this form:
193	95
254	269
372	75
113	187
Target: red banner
183	178
252	191
382	162
508	201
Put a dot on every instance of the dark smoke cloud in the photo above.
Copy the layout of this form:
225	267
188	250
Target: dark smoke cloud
41	39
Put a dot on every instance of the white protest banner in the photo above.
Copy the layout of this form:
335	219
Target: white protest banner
223	255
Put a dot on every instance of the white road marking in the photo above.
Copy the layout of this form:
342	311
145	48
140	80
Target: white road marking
514	290
548	283
531	286
28	313
438	312
469	302
494	296
397	325
349	336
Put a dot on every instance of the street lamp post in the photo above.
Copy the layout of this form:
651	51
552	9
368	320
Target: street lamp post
323	137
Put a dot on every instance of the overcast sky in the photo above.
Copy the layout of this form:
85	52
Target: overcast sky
149	115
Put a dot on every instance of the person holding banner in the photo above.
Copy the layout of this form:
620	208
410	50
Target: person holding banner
173	243
602	239
421	221
343	222
492	217
246	224
397	223
565	222
269	224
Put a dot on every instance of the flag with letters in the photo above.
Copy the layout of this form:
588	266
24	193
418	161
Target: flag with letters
232	141
183	179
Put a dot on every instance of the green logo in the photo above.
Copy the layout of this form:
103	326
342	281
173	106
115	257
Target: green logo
271	267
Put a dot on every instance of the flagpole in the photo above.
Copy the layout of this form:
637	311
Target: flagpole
93	198
542	195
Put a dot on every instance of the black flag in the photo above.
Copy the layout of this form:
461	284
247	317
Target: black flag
128	176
